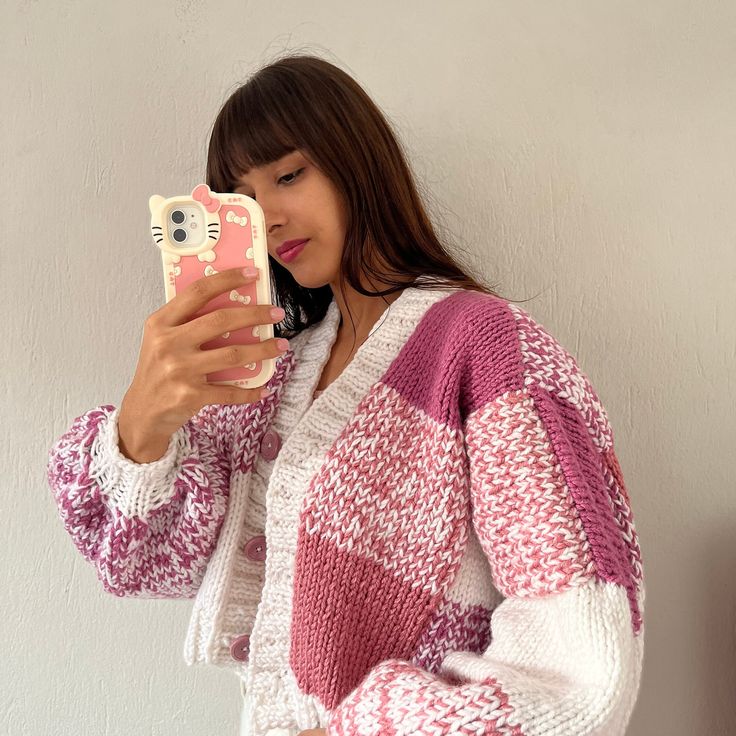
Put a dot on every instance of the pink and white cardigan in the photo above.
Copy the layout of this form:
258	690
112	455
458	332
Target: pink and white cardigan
440	543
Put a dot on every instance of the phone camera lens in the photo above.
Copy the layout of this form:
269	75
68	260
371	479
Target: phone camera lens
179	235
177	217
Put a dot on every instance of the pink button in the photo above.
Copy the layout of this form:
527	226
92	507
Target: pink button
270	445
256	549
240	647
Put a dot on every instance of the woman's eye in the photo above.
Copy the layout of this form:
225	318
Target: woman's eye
295	174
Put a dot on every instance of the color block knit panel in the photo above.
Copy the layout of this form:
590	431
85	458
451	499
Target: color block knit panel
565	664
387	517
551	368
569	662
430	371
341	628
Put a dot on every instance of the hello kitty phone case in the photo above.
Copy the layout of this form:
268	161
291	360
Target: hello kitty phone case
202	234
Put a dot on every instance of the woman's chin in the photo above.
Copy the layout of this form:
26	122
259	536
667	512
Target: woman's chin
309	281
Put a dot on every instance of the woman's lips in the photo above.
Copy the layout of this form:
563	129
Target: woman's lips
292	253
288	244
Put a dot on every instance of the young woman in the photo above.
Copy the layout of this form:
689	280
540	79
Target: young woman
424	528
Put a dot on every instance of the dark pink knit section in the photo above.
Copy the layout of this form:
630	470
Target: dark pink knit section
464	352
361	615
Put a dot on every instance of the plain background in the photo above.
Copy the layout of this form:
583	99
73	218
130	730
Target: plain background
583	153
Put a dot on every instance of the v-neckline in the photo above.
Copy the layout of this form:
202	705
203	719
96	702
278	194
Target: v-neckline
332	320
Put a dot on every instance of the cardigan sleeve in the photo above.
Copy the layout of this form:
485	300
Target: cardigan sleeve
148	528
554	520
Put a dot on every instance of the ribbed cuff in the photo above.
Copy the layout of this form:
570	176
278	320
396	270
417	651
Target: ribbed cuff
135	489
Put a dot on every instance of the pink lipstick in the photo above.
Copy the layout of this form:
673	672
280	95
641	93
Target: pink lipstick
290	253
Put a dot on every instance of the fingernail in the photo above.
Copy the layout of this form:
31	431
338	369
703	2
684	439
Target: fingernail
250	271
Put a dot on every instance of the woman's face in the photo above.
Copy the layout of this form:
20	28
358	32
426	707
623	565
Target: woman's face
300	202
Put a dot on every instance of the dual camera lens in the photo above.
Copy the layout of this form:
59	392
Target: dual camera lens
179	234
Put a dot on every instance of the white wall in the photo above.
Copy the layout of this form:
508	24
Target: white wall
583	150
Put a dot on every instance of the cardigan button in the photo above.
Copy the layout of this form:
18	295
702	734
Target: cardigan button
240	647
270	445
256	549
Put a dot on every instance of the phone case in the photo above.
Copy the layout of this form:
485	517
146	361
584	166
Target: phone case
202	234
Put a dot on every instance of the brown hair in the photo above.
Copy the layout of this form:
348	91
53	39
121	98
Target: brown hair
302	101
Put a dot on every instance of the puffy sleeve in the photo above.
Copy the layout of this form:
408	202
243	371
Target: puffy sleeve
554	520
150	528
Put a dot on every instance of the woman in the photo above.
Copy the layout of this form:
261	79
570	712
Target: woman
424	529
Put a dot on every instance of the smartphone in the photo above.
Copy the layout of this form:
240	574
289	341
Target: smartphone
206	232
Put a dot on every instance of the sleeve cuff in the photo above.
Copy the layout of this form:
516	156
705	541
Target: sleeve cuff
134	489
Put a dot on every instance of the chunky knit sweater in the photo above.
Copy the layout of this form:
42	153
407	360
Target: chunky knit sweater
441	542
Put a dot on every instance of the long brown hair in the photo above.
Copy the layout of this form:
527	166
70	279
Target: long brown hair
303	102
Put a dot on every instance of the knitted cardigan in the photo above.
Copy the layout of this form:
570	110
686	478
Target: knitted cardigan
450	545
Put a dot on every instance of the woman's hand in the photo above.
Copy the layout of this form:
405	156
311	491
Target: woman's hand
170	383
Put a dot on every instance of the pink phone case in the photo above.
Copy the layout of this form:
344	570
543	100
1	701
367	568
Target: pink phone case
205	233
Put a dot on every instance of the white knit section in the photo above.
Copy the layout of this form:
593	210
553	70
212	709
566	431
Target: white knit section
247	576
562	660
204	643
308	429
135	489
